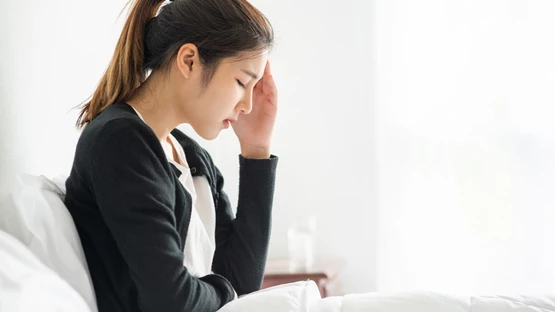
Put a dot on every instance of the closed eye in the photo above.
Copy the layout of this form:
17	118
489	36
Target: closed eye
241	84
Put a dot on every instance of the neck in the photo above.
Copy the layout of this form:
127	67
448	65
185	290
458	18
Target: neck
155	101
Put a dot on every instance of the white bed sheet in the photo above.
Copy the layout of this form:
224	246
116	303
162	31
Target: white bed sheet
304	297
27	285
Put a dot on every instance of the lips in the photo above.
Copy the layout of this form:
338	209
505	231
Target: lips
228	122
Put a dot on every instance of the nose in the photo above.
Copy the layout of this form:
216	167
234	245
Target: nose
245	105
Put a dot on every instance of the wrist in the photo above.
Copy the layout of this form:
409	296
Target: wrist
255	152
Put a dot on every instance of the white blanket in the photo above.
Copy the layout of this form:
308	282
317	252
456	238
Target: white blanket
435	302
304	297
27	285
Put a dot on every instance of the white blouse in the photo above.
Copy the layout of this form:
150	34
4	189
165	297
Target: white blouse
200	243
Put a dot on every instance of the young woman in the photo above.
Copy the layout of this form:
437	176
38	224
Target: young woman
157	229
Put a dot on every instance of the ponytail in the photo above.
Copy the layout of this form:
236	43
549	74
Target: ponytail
151	39
126	71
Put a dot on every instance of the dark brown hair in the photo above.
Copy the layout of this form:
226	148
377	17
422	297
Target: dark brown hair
219	29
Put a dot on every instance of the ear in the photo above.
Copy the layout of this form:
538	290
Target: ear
188	60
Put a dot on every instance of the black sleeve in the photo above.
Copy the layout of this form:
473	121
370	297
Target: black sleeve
242	242
136	195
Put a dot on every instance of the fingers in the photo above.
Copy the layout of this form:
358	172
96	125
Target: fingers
267	73
267	69
269	85
258	85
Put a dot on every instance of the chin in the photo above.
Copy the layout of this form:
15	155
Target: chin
210	137
208	134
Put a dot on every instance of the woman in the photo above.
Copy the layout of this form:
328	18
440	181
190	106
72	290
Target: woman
157	229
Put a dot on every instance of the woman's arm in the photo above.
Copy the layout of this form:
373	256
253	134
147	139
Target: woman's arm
135	194
242	242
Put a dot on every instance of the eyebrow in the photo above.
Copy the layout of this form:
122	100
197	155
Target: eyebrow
253	75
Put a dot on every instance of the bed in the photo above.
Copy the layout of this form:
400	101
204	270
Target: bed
43	268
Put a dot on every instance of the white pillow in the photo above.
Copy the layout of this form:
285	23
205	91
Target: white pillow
27	285
293	297
35	214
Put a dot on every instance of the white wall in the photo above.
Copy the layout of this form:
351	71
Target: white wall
56	51
53	54
464	101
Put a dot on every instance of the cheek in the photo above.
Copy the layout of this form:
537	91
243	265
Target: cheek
228	97
219	102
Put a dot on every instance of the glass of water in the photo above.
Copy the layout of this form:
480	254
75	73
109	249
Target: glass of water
300	245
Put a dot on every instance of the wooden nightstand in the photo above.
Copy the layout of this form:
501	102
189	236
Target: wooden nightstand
324	273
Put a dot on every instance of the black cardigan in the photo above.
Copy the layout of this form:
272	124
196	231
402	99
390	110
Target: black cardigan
132	215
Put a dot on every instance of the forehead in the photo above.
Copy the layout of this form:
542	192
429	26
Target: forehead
254	62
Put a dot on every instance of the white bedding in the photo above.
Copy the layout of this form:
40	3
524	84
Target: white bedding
43	268
304	297
435	302
35	214
27	285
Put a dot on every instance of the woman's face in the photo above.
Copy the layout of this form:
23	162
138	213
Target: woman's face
210	108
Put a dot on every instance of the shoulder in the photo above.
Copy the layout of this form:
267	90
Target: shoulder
117	129
115	122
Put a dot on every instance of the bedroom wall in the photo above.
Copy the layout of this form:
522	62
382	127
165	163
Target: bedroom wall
464	98
54	52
